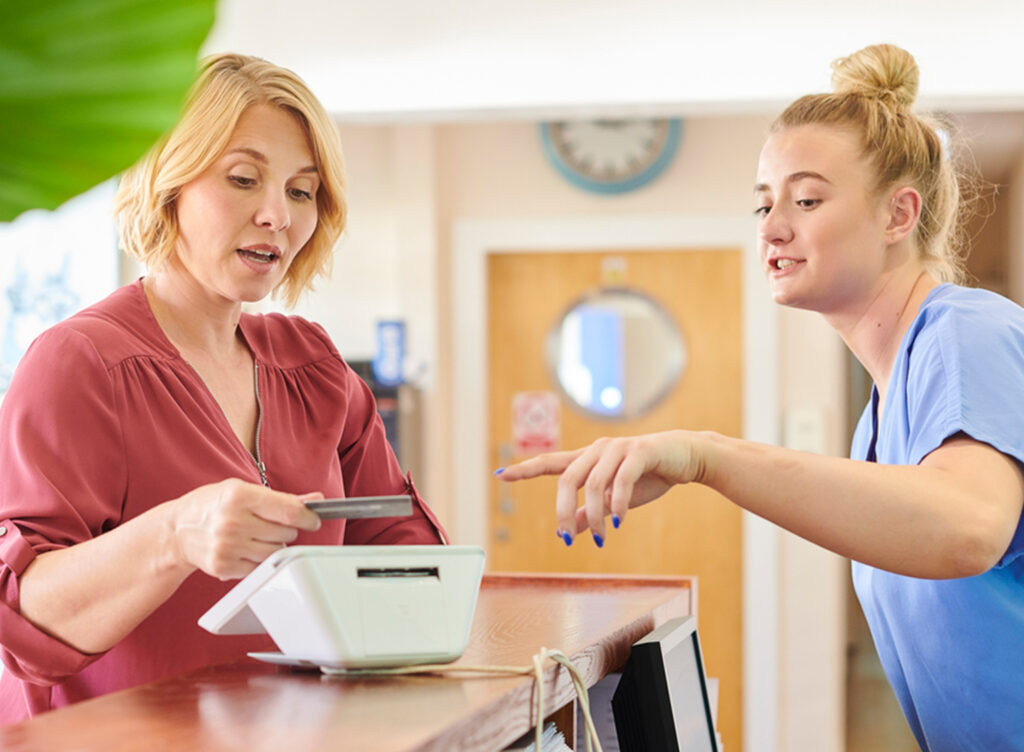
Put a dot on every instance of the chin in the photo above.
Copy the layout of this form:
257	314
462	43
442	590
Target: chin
249	294
781	296
791	299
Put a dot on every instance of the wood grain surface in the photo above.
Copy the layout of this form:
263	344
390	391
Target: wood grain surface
254	707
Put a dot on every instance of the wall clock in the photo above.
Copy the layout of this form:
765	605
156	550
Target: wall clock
611	156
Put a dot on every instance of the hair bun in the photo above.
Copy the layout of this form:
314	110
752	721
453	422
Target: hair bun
884	71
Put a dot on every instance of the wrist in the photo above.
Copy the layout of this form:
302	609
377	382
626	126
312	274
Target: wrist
707	450
170	556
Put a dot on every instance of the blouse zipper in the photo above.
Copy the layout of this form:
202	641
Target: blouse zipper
259	420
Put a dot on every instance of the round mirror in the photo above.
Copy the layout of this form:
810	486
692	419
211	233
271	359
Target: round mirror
616	353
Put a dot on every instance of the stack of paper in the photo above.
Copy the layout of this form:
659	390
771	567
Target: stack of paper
551	740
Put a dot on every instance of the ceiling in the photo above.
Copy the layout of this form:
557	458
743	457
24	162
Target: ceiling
449	60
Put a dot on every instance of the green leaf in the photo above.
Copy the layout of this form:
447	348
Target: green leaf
86	87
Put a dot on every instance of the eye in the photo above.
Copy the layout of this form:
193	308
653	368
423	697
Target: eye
808	203
241	181
762	211
300	195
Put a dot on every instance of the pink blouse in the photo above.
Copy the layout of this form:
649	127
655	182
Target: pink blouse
104	420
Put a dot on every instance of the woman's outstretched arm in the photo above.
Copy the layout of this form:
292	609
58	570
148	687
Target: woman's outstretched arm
953	515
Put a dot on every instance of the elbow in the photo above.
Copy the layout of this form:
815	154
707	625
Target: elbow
45	663
34	656
974	552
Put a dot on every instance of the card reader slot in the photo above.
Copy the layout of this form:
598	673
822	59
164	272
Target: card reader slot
397	572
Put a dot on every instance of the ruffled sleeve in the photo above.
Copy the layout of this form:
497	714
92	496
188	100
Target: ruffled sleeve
62	481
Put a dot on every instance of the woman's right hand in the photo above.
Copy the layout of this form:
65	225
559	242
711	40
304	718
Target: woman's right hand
615	475
226	529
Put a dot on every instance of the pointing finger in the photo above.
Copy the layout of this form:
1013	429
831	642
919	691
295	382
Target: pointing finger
552	463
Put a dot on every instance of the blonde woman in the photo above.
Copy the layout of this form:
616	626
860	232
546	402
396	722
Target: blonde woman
161	443
857	203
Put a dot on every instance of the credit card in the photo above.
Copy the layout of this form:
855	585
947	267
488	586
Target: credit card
359	507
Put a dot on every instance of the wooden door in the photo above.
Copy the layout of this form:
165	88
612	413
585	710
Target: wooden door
692	530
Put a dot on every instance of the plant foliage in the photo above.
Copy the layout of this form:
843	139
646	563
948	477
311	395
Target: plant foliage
86	87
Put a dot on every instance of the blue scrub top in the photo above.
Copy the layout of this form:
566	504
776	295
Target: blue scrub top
952	649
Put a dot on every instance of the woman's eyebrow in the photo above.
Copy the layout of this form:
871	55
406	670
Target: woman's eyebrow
795	178
262	158
257	155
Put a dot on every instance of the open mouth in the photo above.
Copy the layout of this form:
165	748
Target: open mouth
258	256
782	263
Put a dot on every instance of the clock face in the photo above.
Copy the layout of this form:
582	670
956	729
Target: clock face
611	156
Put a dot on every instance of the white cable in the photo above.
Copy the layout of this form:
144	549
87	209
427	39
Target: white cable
537	669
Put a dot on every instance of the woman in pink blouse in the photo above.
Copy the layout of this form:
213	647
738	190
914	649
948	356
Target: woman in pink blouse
160	444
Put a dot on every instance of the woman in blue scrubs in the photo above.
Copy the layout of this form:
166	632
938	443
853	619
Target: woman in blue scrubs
857	204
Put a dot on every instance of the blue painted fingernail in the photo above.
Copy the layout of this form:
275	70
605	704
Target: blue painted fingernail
598	540
616	521
558	532
499	471
567	538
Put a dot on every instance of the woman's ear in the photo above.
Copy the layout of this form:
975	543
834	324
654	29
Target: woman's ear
904	212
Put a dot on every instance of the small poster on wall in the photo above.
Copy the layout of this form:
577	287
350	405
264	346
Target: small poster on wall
536	422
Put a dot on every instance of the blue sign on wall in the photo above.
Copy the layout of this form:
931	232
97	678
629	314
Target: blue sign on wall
389	363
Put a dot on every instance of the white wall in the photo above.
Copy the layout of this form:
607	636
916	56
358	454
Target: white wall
364	284
812	581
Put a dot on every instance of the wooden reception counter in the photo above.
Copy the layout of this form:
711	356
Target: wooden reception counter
256	707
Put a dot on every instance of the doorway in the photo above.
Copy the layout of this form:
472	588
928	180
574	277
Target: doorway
691	531
473	242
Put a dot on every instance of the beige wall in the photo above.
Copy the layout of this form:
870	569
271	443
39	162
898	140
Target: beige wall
812	581
409	184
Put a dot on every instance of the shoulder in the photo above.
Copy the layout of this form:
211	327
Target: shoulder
119	327
288	341
965	371
969	323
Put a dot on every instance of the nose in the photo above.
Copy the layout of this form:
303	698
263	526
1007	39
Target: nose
775	228
273	212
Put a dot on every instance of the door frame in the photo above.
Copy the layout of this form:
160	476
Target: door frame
473	241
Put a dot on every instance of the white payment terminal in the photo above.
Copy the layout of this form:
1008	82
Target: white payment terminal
356	607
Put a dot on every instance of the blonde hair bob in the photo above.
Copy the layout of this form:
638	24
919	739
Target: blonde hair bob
874	90
227	86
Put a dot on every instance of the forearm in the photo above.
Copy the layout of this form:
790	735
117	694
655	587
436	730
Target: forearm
915	520
92	594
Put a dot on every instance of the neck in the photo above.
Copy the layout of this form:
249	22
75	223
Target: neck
192	319
874	332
